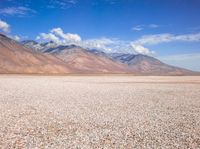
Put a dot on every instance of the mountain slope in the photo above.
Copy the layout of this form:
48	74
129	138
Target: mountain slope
39	47
15	58
96	61
149	65
87	62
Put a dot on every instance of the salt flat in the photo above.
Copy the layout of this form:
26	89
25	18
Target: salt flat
99	112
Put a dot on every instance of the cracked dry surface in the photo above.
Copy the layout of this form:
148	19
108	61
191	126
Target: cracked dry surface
99	112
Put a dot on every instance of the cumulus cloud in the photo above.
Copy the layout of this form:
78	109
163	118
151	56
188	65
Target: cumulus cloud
101	43
139	46
5	27
58	36
141	50
98	42
49	37
17	38
14	37
67	37
18	11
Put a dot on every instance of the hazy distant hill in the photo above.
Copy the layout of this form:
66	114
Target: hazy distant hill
143	64
149	65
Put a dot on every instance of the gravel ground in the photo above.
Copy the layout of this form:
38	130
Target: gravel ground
99	112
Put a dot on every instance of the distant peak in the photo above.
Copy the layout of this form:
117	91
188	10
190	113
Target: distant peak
2	35
5	37
29	41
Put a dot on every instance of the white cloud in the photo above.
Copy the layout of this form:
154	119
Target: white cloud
19	11
105	44
50	37
142	27
38	38
63	4
138	45
188	37
59	37
115	45
101	43
17	38
72	1
138	28
141	50
67	37
5	27
153	39
163	38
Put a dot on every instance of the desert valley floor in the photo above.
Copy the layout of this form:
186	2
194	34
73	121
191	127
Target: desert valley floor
99	112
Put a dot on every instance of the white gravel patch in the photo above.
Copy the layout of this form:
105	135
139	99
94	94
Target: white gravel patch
99	112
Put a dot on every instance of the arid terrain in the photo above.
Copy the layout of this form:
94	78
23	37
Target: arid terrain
99	112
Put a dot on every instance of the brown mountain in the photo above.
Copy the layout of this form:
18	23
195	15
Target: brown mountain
95	61
148	65
87	62
15	58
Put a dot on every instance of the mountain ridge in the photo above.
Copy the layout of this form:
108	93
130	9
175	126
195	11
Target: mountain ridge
33	57
16	58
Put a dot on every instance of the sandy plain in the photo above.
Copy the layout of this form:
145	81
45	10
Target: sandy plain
99	112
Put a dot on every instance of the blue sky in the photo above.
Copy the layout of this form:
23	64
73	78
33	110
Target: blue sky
168	30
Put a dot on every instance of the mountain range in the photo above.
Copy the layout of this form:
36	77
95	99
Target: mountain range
31	57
